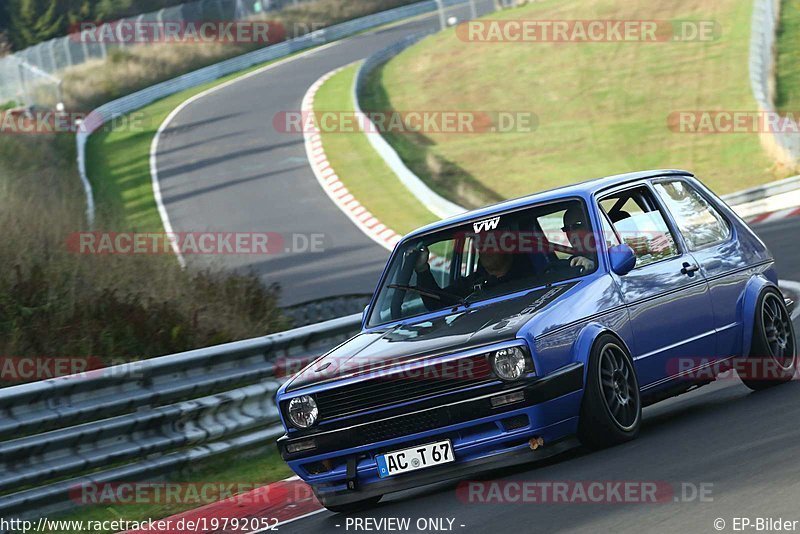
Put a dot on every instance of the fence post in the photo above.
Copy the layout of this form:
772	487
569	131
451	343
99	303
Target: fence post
39	56
54	67
442	21
85	46
103	46
24	86
67	52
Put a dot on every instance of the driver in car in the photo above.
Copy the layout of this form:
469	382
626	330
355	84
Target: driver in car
577	232
495	267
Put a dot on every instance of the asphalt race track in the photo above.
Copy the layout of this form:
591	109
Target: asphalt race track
742	446
223	167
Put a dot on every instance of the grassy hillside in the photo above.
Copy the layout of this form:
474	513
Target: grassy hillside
603	108
788	64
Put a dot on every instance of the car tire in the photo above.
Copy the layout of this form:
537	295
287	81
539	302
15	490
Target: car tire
353	507
611	409
773	351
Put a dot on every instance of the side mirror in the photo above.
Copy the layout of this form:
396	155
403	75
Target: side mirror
364	314
623	259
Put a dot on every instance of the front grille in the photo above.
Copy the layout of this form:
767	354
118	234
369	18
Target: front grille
403	386
401	426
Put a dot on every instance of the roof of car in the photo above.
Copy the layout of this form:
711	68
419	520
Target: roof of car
582	189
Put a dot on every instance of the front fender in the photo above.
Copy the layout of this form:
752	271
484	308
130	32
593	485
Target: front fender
747	308
582	348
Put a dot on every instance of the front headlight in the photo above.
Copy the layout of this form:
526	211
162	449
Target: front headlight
509	364
303	411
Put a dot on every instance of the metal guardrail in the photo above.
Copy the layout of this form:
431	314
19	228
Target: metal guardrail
145	419
783	145
56	55
325	309
139	99
438	205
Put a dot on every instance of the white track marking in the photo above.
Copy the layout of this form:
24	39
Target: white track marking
795	288
162	210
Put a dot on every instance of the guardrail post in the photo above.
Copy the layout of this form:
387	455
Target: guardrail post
24	85
442	21
84	45
67	51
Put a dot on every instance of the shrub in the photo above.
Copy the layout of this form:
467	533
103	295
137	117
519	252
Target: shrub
54	302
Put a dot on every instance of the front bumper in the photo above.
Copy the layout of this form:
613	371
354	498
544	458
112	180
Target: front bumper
483	436
515	456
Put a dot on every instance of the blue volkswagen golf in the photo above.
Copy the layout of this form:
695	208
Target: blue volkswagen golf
517	330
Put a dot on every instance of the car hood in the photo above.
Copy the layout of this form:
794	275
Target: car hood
473	327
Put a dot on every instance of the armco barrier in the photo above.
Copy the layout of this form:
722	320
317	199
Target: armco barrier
134	101
144	420
325	309
783	146
438	205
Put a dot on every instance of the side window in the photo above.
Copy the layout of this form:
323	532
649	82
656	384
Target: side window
552	224
697	220
639	223
609	235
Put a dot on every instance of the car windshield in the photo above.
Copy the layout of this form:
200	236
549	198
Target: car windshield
484	258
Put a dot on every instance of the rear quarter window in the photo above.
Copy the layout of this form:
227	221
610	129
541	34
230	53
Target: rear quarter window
698	221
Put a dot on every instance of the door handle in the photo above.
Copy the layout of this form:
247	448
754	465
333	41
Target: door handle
689	268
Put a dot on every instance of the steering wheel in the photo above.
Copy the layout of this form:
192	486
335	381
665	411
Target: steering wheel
564	265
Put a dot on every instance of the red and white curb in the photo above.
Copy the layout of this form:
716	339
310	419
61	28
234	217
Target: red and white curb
773	216
330	182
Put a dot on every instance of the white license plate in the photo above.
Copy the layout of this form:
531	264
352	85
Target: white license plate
413	458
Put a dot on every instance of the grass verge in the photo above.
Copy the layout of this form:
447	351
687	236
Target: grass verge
249	471
118	161
603	108
360	168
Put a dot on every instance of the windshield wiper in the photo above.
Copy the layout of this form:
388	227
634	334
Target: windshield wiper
435	294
